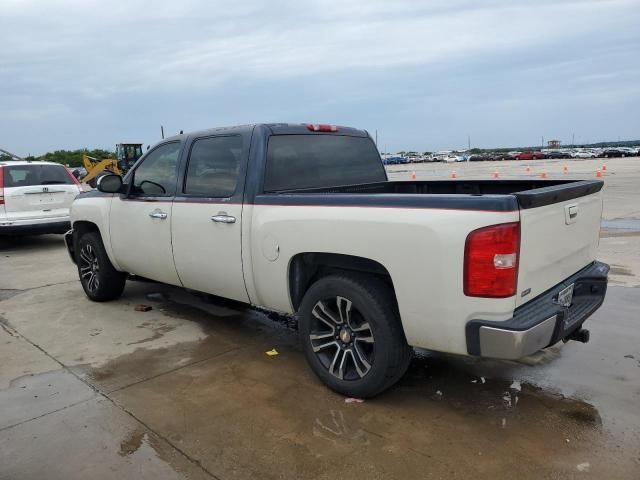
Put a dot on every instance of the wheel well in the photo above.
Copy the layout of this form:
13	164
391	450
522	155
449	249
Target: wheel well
307	268
82	227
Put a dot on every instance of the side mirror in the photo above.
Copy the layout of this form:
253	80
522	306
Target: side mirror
110	183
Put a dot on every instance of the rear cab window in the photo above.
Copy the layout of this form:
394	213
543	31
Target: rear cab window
297	162
30	175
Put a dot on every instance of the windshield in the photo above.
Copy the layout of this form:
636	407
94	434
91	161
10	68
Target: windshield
314	161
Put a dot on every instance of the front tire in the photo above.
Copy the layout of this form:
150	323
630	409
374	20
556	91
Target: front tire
351	334
100	281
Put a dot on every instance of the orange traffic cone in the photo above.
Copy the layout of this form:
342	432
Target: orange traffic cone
453	174
543	174
598	173
604	167
496	174
413	175
566	169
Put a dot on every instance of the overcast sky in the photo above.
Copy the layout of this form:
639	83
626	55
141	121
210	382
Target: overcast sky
424	74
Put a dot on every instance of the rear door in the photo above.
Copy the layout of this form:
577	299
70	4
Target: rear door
38	191
207	217
557	239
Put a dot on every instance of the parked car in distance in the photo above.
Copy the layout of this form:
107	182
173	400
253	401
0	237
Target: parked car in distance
78	172
628	151
583	154
612	153
299	219
530	155
35	197
395	160
558	154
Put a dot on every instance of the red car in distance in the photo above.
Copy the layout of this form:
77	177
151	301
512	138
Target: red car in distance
530	156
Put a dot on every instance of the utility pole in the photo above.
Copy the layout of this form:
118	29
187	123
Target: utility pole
376	137
542	144
468	142
573	139
162	131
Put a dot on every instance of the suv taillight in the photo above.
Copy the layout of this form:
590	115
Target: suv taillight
491	256
1	186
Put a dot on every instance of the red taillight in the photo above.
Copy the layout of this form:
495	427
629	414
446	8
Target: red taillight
491	256
315	127
1	186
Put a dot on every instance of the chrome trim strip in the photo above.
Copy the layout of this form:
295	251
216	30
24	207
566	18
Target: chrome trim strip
511	344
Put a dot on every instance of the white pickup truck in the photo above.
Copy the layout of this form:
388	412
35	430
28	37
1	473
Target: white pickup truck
302	219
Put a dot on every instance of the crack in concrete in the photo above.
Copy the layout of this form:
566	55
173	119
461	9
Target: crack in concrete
190	364
195	461
7	293
45	414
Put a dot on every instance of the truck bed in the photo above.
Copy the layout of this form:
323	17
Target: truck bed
554	245
499	195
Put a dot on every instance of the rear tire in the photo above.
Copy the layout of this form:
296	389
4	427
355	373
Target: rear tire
100	281
351	334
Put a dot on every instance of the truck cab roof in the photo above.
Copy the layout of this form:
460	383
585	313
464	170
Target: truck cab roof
274	128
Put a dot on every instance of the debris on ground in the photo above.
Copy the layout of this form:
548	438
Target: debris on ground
272	353
583	467
142	308
353	400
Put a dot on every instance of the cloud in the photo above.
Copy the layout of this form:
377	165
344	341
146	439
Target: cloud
74	54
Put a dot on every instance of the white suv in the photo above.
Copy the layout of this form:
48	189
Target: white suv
35	197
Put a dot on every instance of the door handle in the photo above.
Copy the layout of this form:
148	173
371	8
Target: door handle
223	218
158	214
570	214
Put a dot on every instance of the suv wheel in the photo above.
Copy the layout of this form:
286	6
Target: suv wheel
352	336
100	281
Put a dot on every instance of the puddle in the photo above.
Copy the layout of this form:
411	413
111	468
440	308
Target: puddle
132	442
464	385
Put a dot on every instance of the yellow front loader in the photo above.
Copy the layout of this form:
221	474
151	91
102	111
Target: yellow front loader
126	155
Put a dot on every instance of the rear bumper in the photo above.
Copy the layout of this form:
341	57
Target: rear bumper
40	228
540	322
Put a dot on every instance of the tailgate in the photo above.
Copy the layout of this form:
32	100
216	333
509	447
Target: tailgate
22	203
560	228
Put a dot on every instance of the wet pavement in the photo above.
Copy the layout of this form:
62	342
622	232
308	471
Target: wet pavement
185	390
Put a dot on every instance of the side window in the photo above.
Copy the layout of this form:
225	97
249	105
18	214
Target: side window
157	175
213	166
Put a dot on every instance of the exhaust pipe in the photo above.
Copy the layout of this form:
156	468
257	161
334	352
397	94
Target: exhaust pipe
581	335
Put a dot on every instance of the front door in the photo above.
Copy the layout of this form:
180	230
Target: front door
140	223
207	218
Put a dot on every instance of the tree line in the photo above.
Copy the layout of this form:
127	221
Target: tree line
71	158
